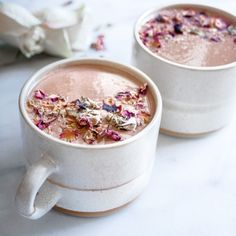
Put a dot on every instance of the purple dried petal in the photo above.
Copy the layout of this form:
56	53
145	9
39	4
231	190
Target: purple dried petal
109	108
220	24
160	18
119	108
39	94
215	39
123	95
112	135
79	104
127	114
36	111
54	98
42	125
139	106
178	28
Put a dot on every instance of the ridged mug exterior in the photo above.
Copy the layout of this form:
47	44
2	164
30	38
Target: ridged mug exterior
89	178
196	100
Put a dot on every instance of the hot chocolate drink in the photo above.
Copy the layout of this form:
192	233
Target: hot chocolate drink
90	104
191	36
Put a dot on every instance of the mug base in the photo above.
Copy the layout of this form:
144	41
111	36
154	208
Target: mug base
186	135
95	203
90	214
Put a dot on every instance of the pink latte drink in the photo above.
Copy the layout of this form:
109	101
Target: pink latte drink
191	36
90	104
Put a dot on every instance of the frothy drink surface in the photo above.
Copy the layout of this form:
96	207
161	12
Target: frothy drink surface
91	104
191	36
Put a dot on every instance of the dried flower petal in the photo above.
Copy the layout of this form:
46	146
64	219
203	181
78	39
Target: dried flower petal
80	104
54	98
69	135
220	24
178	28
215	39
143	90
109	108
123	95
84	121
112	135
89	137
39	94
99	44
127	114
41	124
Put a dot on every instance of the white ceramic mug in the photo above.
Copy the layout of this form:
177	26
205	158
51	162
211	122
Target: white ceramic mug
196	100
81	179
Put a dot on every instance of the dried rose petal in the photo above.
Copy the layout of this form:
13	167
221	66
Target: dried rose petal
39	94
119	108
112	135
84	121
143	90
139	106
123	95
220	24
42	125
99	44
54	98
215	39
127	114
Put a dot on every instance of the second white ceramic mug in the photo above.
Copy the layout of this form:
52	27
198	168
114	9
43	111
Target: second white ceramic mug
196	100
84	179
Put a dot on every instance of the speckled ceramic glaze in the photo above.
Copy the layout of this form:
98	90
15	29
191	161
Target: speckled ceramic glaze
84	179
196	100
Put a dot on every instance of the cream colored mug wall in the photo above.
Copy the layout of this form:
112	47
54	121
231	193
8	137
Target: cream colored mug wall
79	178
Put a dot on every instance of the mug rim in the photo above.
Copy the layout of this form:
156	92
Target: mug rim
152	11
27	87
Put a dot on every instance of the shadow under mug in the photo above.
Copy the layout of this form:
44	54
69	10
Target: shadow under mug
80	179
196	100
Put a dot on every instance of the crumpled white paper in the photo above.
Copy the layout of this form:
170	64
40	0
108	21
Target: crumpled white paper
57	31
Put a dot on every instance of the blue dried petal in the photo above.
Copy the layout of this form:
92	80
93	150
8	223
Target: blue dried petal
109	108
178	28
79	104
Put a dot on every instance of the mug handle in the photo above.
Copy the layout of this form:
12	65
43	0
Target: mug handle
35	197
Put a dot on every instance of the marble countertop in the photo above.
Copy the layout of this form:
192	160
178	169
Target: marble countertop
193	186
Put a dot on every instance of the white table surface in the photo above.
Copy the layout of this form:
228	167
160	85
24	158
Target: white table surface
193	187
